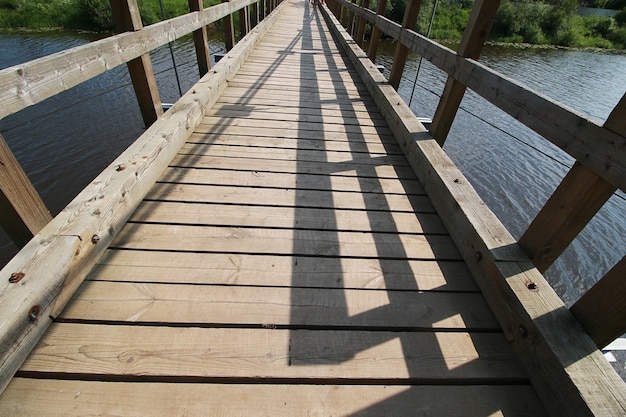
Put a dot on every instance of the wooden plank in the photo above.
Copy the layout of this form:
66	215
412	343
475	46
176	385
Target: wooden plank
573	204
286	198
399	57
22	211
302	181
284	217
126	18
198	354
284	307
57	261
269	270
364	145
601	310
57	398
212	239
249	102
474	37
569	374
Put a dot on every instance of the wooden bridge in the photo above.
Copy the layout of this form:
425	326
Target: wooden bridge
289	240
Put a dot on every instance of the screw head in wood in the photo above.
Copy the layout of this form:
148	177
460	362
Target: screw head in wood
16	277
95	239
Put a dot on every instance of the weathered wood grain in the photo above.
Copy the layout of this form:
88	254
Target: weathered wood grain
200	354
58	398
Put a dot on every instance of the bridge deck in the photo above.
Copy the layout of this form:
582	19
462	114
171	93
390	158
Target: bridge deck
288	263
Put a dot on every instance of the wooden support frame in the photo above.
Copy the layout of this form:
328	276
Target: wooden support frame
474	37
22	211
126	17
359	33
568	372
229	30
55	264
574	203
601	310
399	58
375	37
200	41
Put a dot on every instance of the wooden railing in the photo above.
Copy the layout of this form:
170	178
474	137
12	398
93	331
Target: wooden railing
599	151
563	363
40	279
22	211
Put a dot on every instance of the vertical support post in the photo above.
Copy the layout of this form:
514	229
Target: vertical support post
375	37
399	58
576	200
244	24
22	211
254	19
360	26
126	17
474	37
602	310
229	30
200	41
350	24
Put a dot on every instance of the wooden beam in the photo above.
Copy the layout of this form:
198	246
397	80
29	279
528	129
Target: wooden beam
22	211
602	310
360	26
126	17
375	37
474	37
229	30
399	58
66	249
200	41
569	374
573	204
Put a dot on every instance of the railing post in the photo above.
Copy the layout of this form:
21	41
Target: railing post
244	24
375	37
399	58
350	24
22	211
576	200
254	19
602	310
359	36
200	41
474	37
229	30
127	18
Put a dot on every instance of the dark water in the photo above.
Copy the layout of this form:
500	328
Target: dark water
64	142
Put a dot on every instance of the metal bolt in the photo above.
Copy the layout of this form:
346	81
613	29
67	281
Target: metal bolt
16	277
33	314
532	286
523	331
478	256
95	239
120	168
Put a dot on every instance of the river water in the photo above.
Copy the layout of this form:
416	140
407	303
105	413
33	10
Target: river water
64	142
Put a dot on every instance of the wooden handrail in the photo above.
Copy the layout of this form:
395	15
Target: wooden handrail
597	147
32	82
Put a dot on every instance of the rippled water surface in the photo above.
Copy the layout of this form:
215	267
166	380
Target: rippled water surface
62	145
